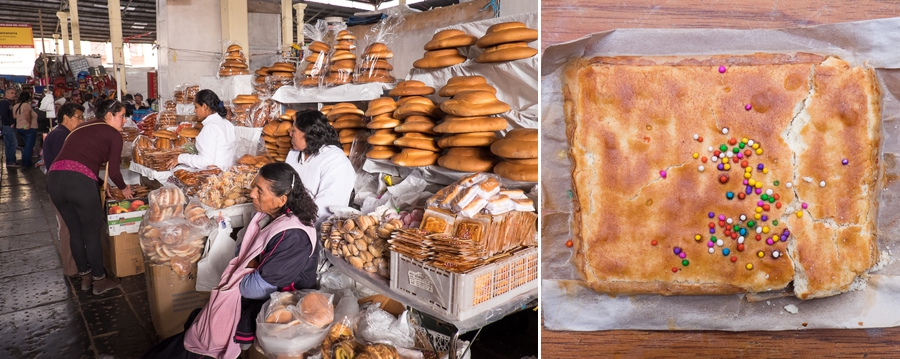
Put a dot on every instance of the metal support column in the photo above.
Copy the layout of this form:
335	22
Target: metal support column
115	34
76	27
301	11
235	24
287	24
64	25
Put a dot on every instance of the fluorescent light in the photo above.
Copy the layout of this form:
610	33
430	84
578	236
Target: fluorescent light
137	27
141	23
100	5
345	3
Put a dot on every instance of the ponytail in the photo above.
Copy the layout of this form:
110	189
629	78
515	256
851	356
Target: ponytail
286	182
211	100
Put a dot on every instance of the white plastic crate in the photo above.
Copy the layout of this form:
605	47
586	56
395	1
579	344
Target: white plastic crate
463	295
441	343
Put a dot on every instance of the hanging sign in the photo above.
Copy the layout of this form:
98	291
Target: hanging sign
16	49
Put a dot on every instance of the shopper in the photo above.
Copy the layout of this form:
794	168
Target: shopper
278	253
9	127
317	156
128	100
216	141
139	102
88	106
26	125
73	181
71	115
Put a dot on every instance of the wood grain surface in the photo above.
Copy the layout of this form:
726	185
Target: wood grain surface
565	20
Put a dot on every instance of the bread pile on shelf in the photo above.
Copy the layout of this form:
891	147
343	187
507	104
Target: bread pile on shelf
315	64
442	50
361	241
166	120
259	81
170	106
261	113
234	62
277	135
171	233
506	42
470	124
519	150
190	182
233	186
155	152
129	133
241	106
381	111
419	114
374	66
270	79
347	120
343	61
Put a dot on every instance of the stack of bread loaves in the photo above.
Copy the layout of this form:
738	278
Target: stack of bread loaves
241	108
277	135
506	42
381	110
419	115
343	61
470	124
442	51
280	74
519	150
374	66
234	62
315	63
347	120
259	81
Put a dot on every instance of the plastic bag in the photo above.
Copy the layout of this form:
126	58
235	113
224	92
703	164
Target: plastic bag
374	65
171	242
219	251
378	326
233	61
282	327
333	279
317	54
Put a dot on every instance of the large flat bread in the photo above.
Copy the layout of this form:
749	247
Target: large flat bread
629	119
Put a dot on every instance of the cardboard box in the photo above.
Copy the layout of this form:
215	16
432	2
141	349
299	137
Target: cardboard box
389	305
171	298
122	255
125	216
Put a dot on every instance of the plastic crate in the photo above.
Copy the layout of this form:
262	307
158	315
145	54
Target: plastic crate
441	343
463	295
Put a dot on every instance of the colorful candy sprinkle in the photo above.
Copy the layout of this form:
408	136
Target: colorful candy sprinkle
799	214
776	254
822	184
724	132
804	205
844	162
663	174
760	254
677	250
733	259
653	242
749	265
685	262
674	270
701	168
748	107
726	251
789	185
722	69
570	244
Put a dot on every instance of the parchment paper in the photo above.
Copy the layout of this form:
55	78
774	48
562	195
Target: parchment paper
568	305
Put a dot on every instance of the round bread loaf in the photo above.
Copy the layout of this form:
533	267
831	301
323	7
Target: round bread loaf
283	129
411	88
318	46
379	64
311	81
385	123
505	33
347	147
381	106
284	141
345	35
460	84
474	103
515	172
450	39
417	140
518	143
338	78
411	157
280	316
383	137
345	45
456	124
348	65
436	59
382	152
374	74
377	50
416	109
342	55
506	52
414	99
282	74
260	80
474	139
230	71
340	111
522	161
468	159
349	121
316	309
263	71
420	124
189	132
233	48
234	64
347	135
364	79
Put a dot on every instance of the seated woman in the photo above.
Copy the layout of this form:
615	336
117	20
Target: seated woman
278	253
216	141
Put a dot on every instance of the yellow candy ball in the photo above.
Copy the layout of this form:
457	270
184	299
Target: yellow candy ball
726	167
751	182
696	155
749	266
765	171
698	237
765	229
758	185
799	214
744	140
758	209
759	151
757	216
760	254
747	175
755	146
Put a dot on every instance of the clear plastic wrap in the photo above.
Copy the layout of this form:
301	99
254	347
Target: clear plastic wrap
196	216
378	326
233	61
316	60
282	328
172	242
374	65
342	60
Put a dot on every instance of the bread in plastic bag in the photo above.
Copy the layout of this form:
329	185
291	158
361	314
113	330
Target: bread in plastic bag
233	61
373	65
378	326
282	328
318	51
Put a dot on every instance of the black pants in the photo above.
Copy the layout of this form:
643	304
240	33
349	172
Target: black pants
78	200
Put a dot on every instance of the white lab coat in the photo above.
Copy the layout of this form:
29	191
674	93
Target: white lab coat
329	177
215	145
48	106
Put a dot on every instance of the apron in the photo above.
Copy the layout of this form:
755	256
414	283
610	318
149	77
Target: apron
212	332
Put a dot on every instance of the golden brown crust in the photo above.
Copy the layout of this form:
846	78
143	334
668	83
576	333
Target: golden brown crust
628	118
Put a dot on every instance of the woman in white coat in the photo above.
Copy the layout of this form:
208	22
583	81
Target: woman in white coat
320	161
216	141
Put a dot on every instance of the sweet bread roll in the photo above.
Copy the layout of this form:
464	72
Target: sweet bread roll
338	78
269	128
280	316
436	59
383	137
234	64
450	38
417	140
460	84
347	135
374	76
233	48
262	71
345	35
506	52
314	58
411	157
522	161
284	141
379	64
344	65
345	45
382	152
456	124
516	172
318	46
283	129
474	139
380	106
316	309
383	123
411	88
468	159
349	121
196	216
282	66
474	103
518	143
348	109
342	55
420	124
377	50
417	108
505	33
229	71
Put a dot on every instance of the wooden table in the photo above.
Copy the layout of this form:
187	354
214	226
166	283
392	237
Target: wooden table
565	20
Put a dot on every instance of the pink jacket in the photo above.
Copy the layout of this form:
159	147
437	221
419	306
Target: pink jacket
211	333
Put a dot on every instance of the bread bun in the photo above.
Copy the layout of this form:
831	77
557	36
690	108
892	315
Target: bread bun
460	84
283	129
189	132
342	55
338	78
506	52
379	64
468	159
269	128
380	106
338	111
421	124
450	38
262	71
417	108
411	88
349	121
345	35
505	33
345	45
417	140
316	309
384	137
522	161
374	76
382	152
518	143
377	50
436	59
230	71
234	48
234	64
283	74
318	46
383	123
347	135
247	160
347	147
410	157
474	139
474	103
309	82
314	57
280	316
456	124
515	172
165	134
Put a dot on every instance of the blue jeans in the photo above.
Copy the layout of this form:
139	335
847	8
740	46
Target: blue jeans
9	144
30	136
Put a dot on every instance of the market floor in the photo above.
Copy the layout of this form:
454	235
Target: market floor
44	314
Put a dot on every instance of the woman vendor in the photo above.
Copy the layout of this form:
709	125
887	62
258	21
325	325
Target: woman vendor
73	186
277	253
216	141
320	161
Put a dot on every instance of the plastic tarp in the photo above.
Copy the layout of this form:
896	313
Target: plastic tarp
343	93
227	88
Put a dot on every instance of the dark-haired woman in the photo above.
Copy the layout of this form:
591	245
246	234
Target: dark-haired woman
277	253
73	183
26	125
320	161
216	141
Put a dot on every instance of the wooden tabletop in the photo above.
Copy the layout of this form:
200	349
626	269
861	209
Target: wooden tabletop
565	20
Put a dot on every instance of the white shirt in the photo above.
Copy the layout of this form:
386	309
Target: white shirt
215	145
47	105
329	177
